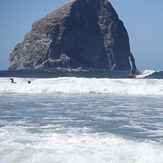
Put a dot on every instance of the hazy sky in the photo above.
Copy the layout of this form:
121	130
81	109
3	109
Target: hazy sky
142	19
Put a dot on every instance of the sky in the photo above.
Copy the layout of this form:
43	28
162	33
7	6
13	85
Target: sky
142	19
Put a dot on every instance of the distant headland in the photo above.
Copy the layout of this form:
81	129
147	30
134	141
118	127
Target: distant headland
81	33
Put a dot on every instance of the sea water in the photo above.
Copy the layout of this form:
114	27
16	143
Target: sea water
81	116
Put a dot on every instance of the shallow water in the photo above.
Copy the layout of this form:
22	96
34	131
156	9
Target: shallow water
82	128
93	119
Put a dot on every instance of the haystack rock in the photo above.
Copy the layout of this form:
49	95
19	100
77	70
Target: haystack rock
81	33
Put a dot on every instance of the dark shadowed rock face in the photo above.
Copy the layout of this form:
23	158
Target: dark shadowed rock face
82	33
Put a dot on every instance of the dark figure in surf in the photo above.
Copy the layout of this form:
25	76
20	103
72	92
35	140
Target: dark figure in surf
132	71
12	81
29	82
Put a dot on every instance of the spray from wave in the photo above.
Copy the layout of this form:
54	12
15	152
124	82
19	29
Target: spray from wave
145	73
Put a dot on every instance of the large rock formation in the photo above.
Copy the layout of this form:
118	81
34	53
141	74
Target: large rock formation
82	33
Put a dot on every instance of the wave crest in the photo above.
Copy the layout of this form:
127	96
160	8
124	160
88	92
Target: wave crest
74	85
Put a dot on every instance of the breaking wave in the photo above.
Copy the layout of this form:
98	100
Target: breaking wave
74	85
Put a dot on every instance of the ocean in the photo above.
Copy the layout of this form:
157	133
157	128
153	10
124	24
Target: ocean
81	116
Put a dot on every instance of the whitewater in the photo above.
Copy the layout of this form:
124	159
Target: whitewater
84	116
77	85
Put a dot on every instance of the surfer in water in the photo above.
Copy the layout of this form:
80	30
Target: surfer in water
132	71
12	81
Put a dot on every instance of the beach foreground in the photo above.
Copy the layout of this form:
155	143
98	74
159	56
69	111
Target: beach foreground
81	119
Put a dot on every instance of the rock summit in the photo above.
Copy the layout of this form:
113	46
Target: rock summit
81	33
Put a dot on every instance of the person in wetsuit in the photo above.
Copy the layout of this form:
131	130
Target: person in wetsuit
132	71
12	81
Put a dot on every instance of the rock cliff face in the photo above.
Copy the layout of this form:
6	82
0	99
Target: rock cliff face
82	33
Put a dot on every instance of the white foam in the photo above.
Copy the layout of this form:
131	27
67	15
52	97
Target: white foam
83	85
145	73
18	145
